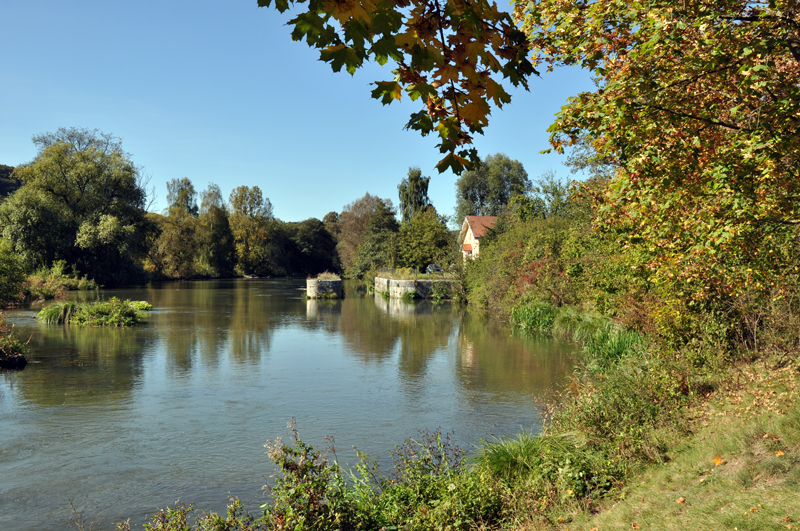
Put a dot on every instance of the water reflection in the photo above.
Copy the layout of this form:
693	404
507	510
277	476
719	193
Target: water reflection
125	421
89	366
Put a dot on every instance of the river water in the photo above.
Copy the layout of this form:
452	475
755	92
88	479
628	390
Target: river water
123	421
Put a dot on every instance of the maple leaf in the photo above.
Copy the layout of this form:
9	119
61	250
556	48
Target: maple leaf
387	91
718	460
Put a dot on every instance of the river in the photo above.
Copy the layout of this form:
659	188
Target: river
123	421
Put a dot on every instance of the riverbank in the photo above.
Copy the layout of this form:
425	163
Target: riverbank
638	439
738	467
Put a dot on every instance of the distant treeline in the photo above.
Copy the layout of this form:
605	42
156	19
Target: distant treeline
83	202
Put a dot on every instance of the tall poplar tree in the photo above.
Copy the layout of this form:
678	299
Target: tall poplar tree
413	193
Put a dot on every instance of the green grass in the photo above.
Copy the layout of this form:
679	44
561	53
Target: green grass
739	470
113	312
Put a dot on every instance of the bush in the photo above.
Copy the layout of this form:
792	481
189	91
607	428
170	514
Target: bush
53	283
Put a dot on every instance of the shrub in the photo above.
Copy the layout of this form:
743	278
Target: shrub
53	283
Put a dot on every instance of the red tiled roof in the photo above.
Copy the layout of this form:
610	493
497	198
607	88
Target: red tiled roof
467	246
480	224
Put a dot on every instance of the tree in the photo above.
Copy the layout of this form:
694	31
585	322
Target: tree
250	220
12	275
315	247
449	54
216	249
487	190
352	223
424	240
378	245
413	194
182	196
698	106
177	244
331	221
82	200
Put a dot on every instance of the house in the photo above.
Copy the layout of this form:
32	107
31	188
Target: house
472	231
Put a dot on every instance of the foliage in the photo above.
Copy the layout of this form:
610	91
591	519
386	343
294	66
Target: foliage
8	184
697	106
12	350
177	518
216	256
378	243
182	196
350	225
413	193
561	260
424	240
487	190
141	306
82	200
314	248
311	492
53	283
11	275
555	468
114	312
250	220
449	55
327	275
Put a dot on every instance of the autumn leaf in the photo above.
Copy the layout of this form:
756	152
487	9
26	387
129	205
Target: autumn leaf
681	500
635	525
718	460
779	453
387	91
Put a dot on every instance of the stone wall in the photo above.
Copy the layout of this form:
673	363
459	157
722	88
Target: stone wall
323	289
421	288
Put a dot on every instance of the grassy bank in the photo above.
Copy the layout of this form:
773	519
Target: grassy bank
113	312
639	436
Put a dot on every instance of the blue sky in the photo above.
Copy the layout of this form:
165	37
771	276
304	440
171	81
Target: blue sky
216	90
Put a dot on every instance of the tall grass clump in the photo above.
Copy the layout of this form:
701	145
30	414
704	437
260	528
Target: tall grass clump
553	467
113	312
58	313
610	344
565	322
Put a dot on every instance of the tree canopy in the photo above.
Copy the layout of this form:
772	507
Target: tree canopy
451	55
487	190
413	193
82	200
698	105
